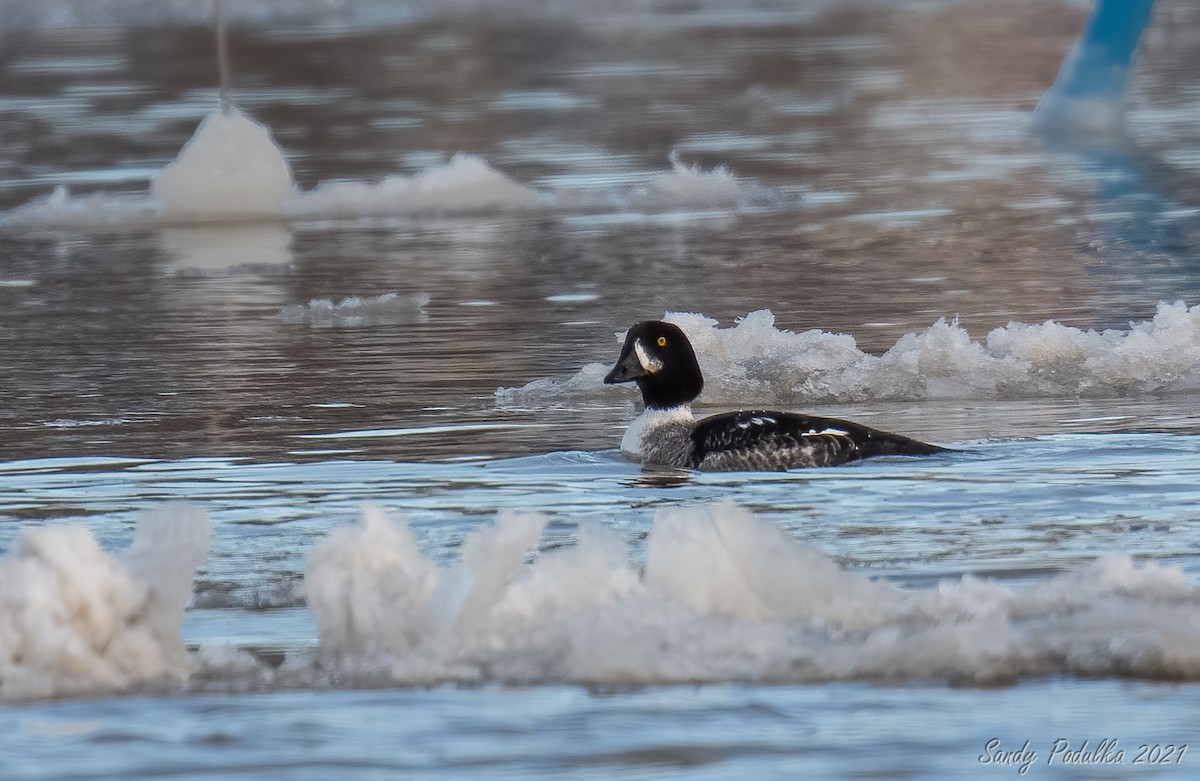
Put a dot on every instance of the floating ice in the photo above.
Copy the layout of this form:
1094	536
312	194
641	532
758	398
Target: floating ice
230	169
94	210
75	620
686	185
465	184
351	312
722	596
755	363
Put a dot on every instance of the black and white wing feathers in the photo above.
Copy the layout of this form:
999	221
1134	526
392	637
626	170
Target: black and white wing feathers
758	440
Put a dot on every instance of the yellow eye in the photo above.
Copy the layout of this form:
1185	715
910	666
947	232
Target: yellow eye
662	341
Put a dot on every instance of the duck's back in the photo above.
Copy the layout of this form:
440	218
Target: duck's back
758	440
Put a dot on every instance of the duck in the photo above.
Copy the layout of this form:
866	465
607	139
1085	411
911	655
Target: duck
658	357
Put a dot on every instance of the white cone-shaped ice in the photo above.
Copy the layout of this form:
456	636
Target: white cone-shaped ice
230	169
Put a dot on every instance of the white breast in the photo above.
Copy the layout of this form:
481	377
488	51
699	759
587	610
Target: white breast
643	426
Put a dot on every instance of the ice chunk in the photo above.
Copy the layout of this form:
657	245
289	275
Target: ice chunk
722	596
755	363
75	620
355	311
231	168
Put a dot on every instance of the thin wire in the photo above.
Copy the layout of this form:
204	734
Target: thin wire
222	56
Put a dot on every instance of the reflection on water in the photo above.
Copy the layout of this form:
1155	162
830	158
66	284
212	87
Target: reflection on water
227	249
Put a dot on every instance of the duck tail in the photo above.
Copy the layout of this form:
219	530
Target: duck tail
886	444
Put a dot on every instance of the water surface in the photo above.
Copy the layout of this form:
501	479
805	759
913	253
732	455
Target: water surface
862	169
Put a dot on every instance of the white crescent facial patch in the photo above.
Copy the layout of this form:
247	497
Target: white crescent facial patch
649	365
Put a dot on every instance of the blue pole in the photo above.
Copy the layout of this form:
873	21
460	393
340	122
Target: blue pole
1085	98
1098	66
